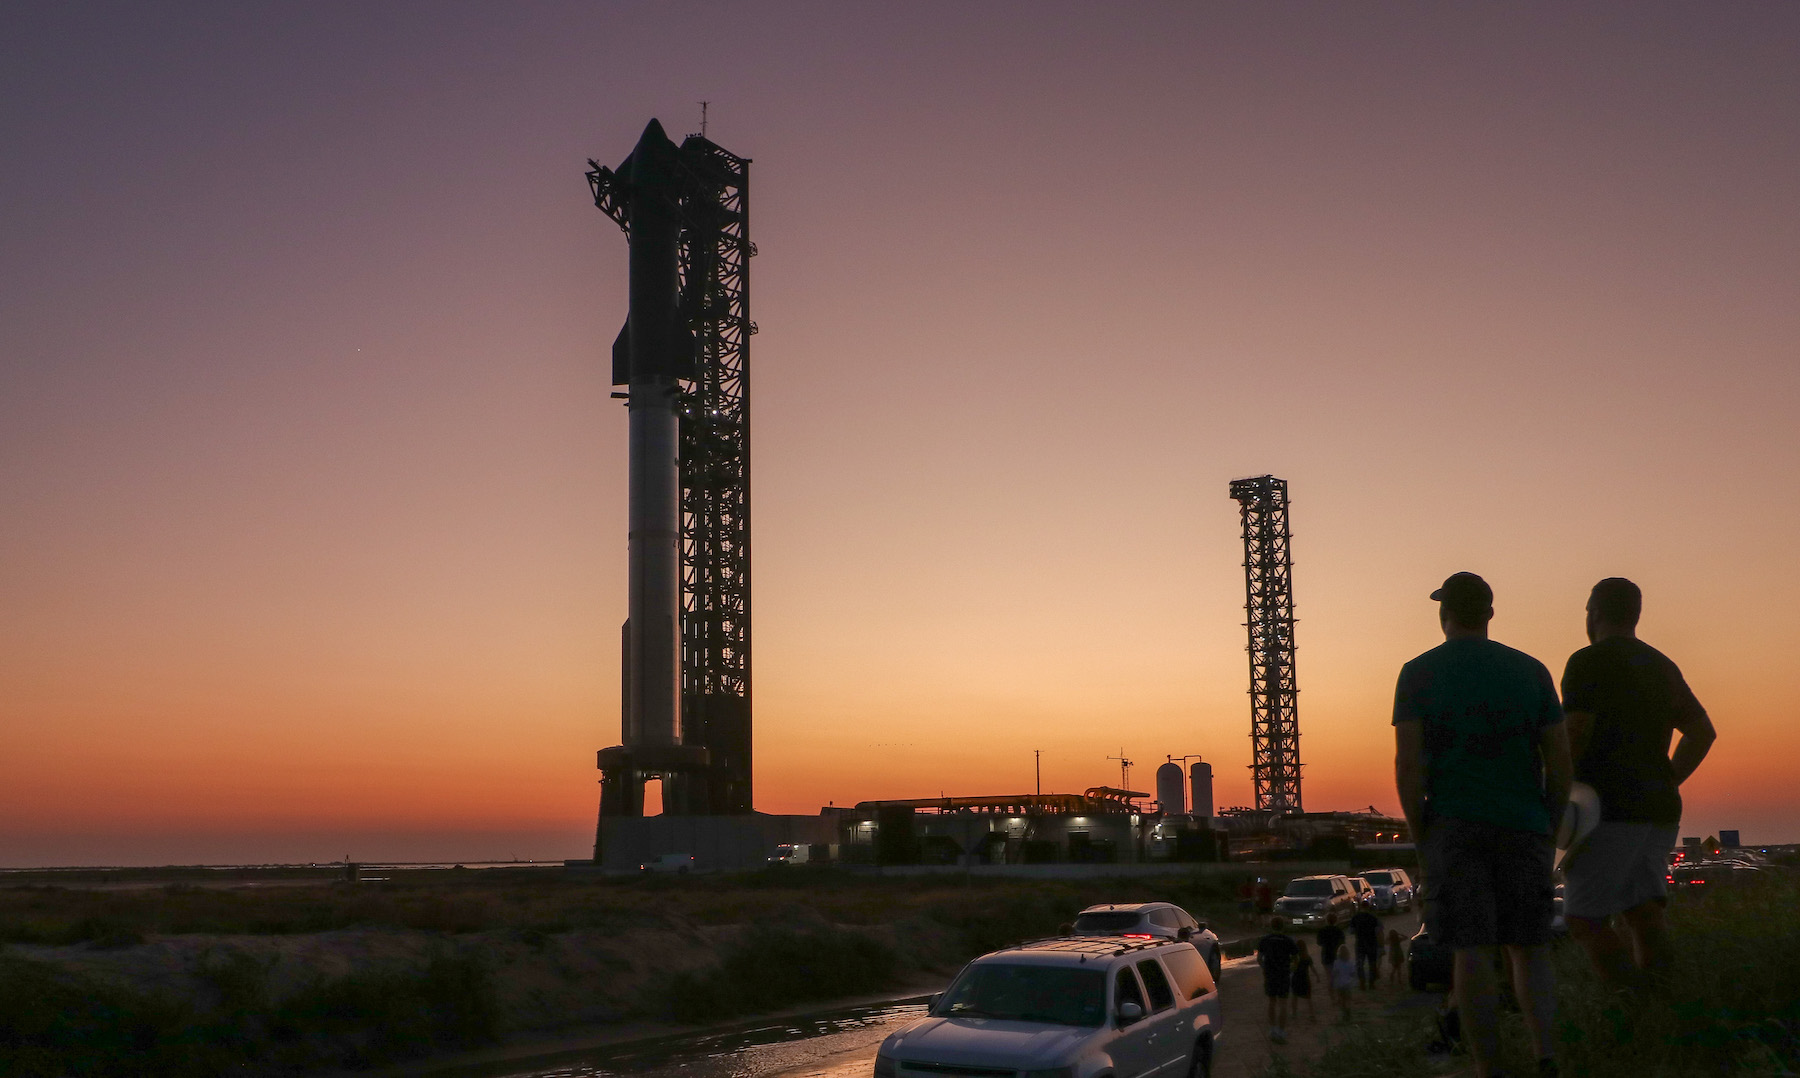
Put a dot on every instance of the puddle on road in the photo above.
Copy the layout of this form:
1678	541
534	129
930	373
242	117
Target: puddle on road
747	1052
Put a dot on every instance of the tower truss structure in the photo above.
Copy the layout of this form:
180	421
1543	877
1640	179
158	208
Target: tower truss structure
1269	616
712	203
715	468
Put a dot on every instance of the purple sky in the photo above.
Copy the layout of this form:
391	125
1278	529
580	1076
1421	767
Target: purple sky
311	496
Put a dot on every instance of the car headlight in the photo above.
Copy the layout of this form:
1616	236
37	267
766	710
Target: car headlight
885	1066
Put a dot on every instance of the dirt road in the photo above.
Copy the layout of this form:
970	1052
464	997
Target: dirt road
1245	1051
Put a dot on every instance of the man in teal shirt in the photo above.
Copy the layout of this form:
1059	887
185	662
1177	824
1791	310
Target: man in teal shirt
1482	766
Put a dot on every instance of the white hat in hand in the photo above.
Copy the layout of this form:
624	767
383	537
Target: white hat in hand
1578	821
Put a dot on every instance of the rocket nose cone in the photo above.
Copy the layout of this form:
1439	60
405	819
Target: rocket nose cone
646	158
653	139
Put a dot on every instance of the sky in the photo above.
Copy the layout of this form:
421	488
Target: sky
312	532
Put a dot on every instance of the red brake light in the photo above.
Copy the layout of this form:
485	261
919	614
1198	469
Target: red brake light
1136	936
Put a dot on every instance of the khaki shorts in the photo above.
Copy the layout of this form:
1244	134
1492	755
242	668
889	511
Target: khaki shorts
1621	866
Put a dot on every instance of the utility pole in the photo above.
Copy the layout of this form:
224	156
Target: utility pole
1037	759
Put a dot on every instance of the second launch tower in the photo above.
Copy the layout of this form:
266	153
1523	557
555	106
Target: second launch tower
1269	615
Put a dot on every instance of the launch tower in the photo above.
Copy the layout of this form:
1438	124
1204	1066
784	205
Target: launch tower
684	358
1269	610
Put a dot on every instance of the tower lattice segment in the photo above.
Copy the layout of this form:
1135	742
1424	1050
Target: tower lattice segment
1269	610
715	468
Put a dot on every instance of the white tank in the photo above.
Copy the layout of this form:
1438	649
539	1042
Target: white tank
1200	778
1169	789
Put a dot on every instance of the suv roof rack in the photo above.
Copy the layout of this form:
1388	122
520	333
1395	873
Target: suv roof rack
1099	946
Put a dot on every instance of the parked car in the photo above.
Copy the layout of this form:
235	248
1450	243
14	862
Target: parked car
1309	899
788	853
1144	920
1365	895
1075	1007
1695	877
1164	920
1393	888
679	863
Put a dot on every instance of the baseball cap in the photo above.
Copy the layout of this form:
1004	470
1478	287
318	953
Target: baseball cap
1465	591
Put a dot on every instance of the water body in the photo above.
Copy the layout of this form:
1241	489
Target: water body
822	1043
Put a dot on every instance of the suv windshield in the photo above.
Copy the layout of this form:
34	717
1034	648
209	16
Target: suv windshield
1053	994
1105	921
1380	879
1309	889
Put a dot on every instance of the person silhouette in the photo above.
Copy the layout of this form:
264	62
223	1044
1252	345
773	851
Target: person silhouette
1481	763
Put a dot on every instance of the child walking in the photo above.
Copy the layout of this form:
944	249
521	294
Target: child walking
1396	955
1343	979
1303	977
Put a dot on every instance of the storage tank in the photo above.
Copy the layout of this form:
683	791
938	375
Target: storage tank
1169	790
1200	777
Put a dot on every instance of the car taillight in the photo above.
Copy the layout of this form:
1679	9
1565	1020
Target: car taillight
1136	936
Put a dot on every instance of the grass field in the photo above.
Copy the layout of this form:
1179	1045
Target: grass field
545	901
492	953
1733	1008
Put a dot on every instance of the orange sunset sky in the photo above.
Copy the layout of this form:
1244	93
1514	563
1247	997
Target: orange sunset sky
312	534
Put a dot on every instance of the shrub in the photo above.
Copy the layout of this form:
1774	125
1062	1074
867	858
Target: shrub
54	1024
370	1018
775	966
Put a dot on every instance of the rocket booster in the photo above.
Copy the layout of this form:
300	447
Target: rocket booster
652	351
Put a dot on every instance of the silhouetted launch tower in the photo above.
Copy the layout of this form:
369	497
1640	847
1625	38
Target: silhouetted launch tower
1269	609
684	356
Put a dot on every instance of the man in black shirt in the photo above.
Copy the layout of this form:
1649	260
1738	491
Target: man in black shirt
1275	953
1624	700
1367	929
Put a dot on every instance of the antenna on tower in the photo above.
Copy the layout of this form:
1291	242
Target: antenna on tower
703	105
1124	770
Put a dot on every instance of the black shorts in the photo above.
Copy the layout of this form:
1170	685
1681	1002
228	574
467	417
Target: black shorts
1276	985
1486	884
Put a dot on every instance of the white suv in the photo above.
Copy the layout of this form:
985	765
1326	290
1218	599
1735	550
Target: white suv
1143	920
1135	919
1393	888
1078	1007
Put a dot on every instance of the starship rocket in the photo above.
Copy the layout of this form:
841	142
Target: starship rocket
651	352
